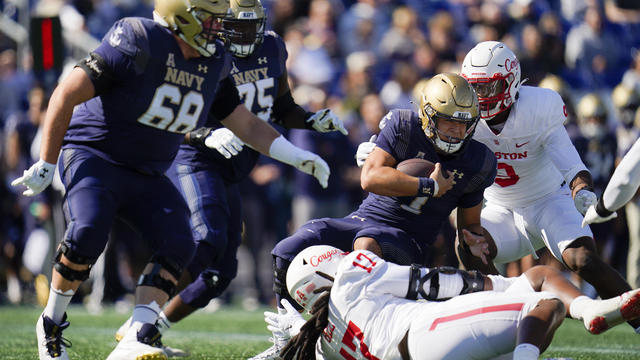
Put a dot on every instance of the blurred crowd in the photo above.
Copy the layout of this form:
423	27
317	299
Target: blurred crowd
361	59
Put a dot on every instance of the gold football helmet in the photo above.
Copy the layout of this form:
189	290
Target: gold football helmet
197	22
448	96
591	106
245	26
626	100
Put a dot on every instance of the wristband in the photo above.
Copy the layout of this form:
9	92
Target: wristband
284	151
601	210
427	187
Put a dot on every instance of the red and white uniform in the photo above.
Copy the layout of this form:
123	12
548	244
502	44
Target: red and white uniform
369	316
529	205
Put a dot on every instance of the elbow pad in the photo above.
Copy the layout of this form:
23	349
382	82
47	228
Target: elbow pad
442	283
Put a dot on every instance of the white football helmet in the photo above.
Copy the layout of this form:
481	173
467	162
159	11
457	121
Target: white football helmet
197	22
494	72
245	27
305	274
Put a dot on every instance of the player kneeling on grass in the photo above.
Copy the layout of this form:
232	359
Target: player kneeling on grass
365	308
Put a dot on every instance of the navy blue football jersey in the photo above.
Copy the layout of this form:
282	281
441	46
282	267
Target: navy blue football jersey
256	77
421	217
155	97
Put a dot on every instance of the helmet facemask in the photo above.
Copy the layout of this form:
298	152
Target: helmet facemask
493	94
245	27
445	143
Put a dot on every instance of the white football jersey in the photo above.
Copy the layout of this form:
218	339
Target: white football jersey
362	324
534	152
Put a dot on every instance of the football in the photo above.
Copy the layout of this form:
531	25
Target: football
416	167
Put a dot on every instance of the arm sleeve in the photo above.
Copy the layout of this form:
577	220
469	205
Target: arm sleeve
562	152
625	180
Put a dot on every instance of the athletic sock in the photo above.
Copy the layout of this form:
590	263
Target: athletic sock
526	351
145	313
163	323
57	304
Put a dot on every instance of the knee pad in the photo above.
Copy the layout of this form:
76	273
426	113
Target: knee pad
154	279
209	285
67	272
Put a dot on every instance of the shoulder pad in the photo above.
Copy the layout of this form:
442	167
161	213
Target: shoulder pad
129	36
401	119
544	107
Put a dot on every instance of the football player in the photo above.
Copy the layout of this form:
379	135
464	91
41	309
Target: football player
542	188
402	215
364	307
147	84
208	177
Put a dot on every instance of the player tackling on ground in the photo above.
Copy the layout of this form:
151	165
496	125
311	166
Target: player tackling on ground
364	308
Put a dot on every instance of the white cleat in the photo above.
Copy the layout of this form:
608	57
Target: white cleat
611	312
122	331
51	344
272	353
136	344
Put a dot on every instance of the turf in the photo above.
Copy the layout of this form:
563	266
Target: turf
232	333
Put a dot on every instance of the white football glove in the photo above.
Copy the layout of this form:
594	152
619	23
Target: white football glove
592	216
286	324
306	161
37	178
225	141
584	198
364	149
325	121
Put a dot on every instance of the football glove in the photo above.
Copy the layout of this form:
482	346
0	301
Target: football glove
325	121
364	149
307	162
583	199
225	141
592	216
286	323
37	178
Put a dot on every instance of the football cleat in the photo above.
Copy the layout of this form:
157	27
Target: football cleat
122	331
170	351
272	353
137	344
51	344
611	312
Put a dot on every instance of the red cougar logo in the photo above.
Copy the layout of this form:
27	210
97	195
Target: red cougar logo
510	64
315	260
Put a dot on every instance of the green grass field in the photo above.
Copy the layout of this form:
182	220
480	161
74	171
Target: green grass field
232	333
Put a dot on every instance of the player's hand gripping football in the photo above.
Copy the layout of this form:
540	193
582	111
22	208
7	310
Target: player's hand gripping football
445	182
592	216
478	245
325	121
225	141
286	324
37	178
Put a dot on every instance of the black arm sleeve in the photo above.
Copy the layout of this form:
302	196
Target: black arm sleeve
98	71
227	99
284	106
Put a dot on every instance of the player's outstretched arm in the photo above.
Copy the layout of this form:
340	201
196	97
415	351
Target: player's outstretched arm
73	90
622	186
265	139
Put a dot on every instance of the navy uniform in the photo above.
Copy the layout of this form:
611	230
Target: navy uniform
404	227
209	181
120	143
